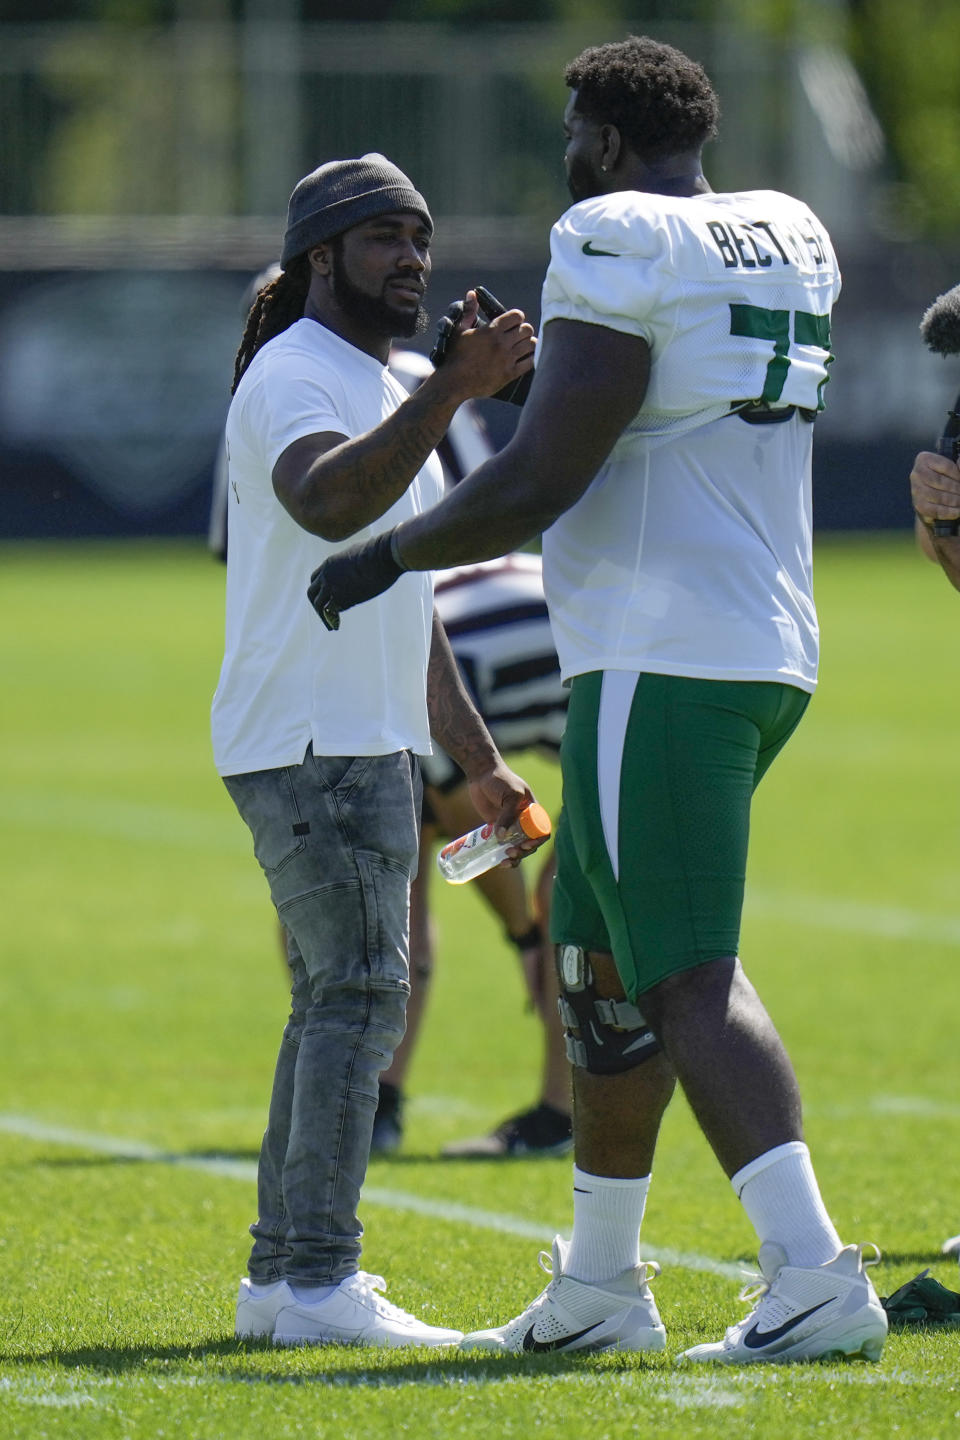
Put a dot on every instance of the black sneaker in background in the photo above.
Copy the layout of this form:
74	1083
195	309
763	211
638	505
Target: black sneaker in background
542	1130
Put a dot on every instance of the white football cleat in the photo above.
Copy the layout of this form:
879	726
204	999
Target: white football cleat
618	1314
257	1307
355	1314
824	1312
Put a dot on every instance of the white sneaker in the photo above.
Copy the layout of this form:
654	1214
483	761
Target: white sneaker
619	1314
355	1314
951	1246
257	1307
822	1312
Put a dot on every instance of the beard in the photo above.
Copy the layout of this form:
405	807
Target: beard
374	312
581	181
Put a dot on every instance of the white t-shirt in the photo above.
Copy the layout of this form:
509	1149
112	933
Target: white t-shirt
286	680
690	552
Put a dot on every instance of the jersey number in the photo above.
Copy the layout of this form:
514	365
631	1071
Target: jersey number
757	323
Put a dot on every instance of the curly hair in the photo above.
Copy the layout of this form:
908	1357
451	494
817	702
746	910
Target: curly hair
277	306
659	99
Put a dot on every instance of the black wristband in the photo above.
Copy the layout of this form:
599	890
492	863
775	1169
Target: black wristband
530	938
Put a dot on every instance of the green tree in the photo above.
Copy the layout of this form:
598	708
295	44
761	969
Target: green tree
905	54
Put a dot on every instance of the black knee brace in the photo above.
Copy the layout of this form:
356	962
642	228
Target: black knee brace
605	1037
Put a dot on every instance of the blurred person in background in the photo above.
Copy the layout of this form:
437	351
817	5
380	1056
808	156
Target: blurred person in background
665	453
935	491
317	743
496	620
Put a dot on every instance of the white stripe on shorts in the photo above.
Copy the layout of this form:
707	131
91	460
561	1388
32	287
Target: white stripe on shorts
616	697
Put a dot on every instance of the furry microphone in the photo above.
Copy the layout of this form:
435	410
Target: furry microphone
940	328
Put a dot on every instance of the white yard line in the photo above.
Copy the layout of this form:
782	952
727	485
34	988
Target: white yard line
854	917
448	1211
916	1105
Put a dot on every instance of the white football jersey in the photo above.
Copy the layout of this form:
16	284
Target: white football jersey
732	293
690	553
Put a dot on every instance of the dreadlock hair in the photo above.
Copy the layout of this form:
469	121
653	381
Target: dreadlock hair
659	99
277	306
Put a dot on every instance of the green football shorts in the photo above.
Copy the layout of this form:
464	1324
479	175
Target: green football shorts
658	775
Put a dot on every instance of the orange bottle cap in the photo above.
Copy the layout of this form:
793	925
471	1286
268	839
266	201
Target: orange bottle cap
534	821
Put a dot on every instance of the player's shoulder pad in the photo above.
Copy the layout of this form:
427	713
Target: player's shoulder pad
628	222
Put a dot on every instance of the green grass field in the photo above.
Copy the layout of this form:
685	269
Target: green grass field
142	999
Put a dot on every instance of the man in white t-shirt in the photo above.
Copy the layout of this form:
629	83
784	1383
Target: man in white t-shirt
496	620
317	736
665	452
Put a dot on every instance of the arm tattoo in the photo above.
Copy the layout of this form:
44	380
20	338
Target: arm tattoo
455	722
376	480
363	477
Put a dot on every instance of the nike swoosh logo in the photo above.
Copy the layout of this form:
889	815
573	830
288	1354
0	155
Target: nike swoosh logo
587	248
756	1339
537	1346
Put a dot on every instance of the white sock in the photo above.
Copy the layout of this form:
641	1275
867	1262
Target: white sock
310	1294
780	1194
607	1215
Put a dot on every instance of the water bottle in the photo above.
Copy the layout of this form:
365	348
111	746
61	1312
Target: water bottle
481	849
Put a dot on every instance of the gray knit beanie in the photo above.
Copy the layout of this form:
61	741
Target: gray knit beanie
343	193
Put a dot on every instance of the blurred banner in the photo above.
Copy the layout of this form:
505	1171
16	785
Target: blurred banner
113	391
144	173
114	386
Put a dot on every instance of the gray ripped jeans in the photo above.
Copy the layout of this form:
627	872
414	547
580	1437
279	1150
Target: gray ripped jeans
337	838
